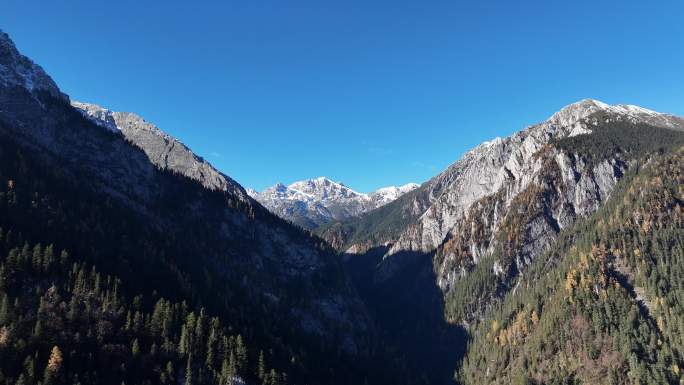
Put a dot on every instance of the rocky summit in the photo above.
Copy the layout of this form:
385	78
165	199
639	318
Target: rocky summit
316	202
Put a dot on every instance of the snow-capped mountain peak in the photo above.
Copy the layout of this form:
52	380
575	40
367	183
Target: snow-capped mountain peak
313	202
322	188
572	115
386	195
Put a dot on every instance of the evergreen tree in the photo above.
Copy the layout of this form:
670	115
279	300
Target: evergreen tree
135	348
261	369
189	371
4	309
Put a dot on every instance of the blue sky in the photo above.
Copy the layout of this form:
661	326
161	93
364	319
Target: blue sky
370	93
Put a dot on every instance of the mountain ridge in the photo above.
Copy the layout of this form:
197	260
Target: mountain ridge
314	202
165	151
569	121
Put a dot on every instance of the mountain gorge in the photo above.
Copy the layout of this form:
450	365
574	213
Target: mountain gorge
552	256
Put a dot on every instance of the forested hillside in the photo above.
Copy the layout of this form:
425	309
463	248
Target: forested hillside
62	321
605	305
497	272
90	279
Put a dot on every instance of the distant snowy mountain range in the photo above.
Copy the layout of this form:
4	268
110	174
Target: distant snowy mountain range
314	202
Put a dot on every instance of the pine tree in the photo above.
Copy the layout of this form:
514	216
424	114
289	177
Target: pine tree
261	370
72	314
183	344
232	368
210	356
48	258
63	258
188	371
241	353
37	259
223	376
21	380
135	348
170	373
199	326
157	318
273	378
4	309
30	368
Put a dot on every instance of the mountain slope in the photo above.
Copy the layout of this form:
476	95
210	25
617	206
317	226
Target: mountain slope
603	306
315	202
480	172
573	181
487	182
142	207
473	230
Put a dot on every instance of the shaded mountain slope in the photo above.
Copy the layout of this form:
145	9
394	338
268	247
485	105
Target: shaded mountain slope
184	233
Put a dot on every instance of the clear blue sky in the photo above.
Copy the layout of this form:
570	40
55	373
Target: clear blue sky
370	93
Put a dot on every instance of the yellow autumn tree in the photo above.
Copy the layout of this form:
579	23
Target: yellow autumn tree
534	317
55	361
4	336
570	284
53	365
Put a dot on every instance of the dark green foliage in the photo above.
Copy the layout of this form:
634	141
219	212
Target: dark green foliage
90	332
473	291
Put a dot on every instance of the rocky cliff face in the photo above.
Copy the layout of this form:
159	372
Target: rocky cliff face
513	163
150	175
315	202
523	217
